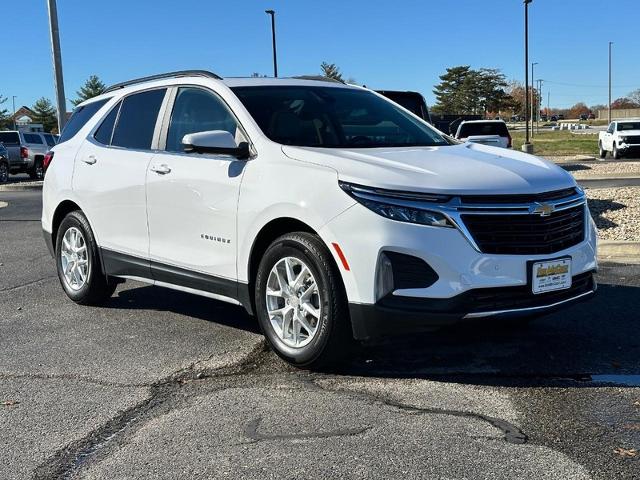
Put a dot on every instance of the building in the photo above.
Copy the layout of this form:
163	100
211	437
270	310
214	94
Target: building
619	114
23	118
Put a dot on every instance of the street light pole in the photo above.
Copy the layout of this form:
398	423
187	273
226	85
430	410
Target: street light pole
272	13
57	64
533	95
610	43
13	97
527	146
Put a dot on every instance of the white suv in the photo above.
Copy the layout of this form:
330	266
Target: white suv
327	211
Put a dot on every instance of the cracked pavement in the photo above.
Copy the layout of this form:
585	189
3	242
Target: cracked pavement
161	384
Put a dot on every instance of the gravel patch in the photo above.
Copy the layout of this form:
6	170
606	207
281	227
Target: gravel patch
616	212
587	170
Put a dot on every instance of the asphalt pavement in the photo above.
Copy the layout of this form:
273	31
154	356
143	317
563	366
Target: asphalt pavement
161	384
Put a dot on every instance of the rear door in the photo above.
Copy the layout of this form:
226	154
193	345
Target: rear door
192	198
109	176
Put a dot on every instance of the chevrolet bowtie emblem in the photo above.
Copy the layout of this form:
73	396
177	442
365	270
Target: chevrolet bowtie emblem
544	209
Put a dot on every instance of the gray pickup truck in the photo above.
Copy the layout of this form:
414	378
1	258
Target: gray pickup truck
26	151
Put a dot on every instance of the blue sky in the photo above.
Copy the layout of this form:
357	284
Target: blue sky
392	45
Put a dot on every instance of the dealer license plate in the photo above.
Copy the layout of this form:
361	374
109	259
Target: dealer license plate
551	275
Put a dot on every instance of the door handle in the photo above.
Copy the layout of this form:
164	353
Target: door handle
90	160
162	169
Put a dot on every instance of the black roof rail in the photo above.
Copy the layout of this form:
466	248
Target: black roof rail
319	78
180	73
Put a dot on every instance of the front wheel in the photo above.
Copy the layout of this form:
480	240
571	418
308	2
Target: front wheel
78	262
300	302
602	151
615	153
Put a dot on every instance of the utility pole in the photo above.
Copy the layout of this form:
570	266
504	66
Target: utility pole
548	98
272	13
610	43
57	64
539	102
527	147
14	111
533	95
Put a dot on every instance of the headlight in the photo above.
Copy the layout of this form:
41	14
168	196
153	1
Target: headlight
400	206
623	139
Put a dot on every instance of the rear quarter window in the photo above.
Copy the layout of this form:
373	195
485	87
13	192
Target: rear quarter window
79	118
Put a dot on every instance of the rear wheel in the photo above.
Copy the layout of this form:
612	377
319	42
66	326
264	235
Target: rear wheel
4	172
37	171
78	262
300	302
602	151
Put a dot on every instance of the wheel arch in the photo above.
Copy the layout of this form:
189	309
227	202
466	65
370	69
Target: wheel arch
65	207
267	234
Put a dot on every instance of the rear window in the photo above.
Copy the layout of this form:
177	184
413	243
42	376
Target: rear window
79	118
474	129
32	138
137	120
10	138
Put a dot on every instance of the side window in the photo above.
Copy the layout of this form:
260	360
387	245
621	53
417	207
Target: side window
49	139
105	130
79	118
137	120
197	110
611	128
32	138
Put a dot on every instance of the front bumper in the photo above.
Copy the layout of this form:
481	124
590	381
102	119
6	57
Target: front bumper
395	315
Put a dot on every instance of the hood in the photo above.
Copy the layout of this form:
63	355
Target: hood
469	168
629	133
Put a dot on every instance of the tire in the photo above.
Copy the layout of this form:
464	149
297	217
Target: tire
37	171
615	153
603	152
94	288
332	338
4	172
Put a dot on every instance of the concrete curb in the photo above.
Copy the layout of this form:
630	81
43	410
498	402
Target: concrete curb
609	182
19	187
619	251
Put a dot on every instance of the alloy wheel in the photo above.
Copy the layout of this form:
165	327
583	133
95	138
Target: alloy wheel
293	302
74	259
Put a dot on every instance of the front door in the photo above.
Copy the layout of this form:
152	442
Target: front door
192	199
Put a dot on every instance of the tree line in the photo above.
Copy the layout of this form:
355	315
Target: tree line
461	90
486	91
43	109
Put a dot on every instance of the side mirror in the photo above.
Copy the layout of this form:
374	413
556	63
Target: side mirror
215	141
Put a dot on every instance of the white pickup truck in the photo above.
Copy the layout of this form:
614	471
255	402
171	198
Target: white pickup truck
620	139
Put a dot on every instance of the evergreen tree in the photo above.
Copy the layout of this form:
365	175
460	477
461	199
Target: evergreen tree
45	114
4	114
452	91
330	70
91	88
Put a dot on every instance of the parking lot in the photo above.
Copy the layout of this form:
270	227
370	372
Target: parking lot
162	384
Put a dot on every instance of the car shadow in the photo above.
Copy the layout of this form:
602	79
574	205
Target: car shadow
576	345
148	297
575	167
599	207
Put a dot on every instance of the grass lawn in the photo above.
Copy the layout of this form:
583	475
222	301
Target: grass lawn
559	142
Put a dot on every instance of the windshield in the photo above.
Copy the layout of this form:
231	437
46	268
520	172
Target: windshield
333	117
628	126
